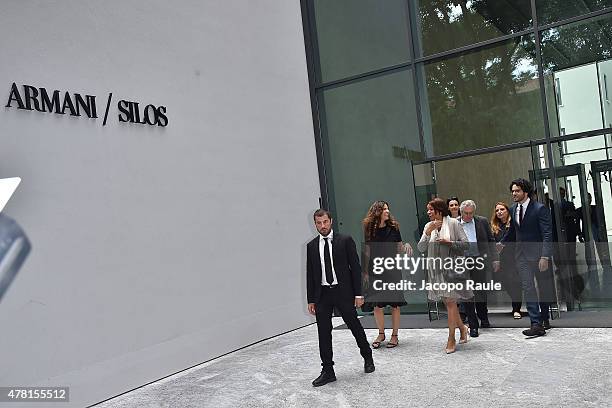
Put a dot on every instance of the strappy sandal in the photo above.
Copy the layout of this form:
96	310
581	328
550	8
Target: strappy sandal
376	344
391	345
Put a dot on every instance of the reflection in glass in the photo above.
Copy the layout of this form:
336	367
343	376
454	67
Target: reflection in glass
356	36
587	151
445	25
550	11
578	71
485	98
581	219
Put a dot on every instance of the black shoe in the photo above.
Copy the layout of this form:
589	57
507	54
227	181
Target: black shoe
485	324
368	365
534	331
546	324
473	332
324	378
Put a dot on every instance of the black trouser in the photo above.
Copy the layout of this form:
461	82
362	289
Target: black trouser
330	298
477	306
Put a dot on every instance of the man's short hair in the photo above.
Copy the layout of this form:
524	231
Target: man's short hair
525	185
321	213
467	203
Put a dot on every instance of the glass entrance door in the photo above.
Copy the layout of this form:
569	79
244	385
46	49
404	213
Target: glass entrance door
600	223
583	231
569	256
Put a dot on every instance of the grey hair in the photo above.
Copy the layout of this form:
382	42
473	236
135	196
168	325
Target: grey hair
467	203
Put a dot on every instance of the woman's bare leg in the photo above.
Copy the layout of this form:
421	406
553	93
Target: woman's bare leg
395	322
453	315
379	316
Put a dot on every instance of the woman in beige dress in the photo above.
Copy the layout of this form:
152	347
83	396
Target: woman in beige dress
444	238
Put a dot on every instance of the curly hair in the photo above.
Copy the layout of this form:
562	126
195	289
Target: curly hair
523	184
439	206
373	218
495	222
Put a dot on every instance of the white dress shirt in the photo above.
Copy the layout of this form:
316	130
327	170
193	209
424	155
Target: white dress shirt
518	210
322	254
470	231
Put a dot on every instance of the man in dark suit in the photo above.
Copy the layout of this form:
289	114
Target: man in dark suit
482	244
333	279
531	233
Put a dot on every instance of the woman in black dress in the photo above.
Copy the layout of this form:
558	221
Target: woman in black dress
453	207
500	224
380	231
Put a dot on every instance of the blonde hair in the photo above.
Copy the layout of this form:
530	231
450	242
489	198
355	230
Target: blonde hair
495	222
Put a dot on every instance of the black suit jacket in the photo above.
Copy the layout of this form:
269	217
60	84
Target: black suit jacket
534	236
346	265
485	238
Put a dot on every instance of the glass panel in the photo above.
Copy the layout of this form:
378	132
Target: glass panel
550	11
356	36
578	71
444	24
485	98
599	275
371	133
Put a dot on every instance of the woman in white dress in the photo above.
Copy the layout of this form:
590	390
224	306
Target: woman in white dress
444	239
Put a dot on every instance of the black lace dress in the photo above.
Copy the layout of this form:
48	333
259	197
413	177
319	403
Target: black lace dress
385	245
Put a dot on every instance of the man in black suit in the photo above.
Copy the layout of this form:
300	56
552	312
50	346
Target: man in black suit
531	233
333	279
482	244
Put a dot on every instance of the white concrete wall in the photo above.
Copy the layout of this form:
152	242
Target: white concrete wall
154	248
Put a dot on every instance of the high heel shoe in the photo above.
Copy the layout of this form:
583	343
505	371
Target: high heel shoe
450	350
391	345
376	343
465	335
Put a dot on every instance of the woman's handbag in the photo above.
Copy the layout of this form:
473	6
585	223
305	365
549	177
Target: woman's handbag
452	275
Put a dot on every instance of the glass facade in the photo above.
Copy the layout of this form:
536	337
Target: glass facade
417	99
356	36
551	11
445	25
482	98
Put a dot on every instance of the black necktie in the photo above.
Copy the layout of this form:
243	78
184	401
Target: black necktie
520	214
329	277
